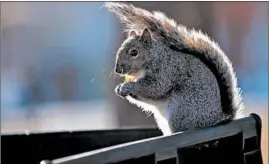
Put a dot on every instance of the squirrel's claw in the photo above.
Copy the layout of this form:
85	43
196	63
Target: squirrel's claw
124	89
117	90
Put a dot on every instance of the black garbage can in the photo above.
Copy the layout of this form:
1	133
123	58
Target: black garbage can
237	142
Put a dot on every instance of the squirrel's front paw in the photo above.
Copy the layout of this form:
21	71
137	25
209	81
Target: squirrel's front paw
124	89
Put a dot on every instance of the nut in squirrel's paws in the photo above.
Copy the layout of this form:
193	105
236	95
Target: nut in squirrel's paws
130	77
124	89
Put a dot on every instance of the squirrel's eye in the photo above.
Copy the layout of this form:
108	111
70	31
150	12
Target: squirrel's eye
134	53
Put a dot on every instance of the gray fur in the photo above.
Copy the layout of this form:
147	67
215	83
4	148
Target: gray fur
189	81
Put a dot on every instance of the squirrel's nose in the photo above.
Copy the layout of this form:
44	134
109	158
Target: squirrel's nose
117	70
120	68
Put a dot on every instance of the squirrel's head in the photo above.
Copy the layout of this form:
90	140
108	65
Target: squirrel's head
134	53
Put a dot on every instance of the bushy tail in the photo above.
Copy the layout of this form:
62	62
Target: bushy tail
181	39
138	19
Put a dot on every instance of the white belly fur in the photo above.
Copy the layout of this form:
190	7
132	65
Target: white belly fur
159	110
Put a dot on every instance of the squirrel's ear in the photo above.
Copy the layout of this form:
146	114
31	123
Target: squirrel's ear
146	38
132	33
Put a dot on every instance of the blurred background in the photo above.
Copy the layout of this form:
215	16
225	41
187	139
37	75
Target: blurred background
57	59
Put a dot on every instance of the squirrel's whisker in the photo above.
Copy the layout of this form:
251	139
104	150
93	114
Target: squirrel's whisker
110	74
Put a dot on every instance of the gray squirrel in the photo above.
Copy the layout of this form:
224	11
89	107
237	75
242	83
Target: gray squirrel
182	76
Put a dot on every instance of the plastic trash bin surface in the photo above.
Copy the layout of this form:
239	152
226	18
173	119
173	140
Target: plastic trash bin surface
237	142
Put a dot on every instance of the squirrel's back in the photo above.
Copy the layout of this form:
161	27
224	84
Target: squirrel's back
191	42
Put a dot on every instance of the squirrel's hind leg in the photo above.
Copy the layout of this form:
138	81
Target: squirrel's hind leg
162	123
157	108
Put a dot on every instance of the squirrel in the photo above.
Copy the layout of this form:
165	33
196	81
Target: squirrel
180	75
